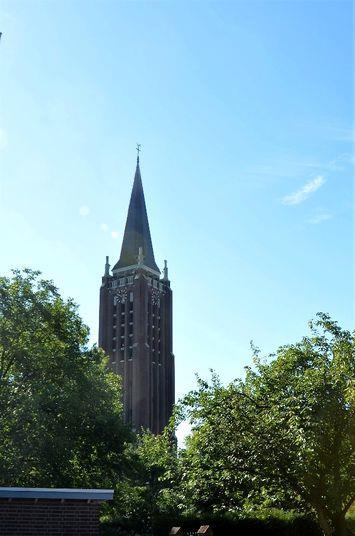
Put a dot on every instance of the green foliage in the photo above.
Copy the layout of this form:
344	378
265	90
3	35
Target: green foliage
147	493
60	419
258	523
222	472
282	437
306	429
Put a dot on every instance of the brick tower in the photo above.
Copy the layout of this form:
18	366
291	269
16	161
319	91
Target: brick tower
135	326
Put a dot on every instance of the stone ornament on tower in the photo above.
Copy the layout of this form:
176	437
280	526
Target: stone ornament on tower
107	267
140	257
165	271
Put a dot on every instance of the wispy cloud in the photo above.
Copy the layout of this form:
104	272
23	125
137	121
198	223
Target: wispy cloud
114	234
286	166
341	161
303	193
328	129
320	218
341	134
84	210
104	227
3	139
282	167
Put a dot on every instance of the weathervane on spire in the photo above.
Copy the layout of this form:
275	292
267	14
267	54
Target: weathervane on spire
138	151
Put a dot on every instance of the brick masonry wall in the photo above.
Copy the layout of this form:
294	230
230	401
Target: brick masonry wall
26	517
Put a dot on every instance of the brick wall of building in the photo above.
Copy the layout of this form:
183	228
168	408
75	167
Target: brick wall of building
43	517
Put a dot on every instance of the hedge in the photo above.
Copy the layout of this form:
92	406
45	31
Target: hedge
269	523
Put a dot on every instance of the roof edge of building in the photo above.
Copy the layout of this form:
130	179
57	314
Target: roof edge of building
56	493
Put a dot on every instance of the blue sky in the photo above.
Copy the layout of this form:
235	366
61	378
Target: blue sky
244	113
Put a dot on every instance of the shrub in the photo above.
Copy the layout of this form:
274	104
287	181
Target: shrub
260	523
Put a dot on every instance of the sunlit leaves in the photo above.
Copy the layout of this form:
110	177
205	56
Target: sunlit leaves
287	430
60	419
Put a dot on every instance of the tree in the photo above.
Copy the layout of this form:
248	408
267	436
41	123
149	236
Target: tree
147	495
60	407
289	428
221	471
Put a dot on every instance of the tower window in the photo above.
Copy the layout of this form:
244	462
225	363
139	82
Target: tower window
131	296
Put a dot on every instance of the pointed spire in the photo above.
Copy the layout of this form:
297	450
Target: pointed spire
137	233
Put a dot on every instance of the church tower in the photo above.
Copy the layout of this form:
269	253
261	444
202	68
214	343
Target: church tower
135	326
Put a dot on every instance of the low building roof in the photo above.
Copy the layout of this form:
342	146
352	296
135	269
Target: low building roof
56	493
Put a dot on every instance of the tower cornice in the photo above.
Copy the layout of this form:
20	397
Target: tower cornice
134	268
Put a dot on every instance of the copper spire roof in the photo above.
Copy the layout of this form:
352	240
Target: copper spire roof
137	233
